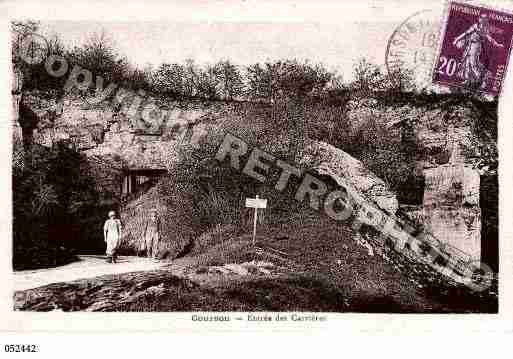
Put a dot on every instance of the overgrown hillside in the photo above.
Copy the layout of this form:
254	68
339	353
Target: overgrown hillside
308	264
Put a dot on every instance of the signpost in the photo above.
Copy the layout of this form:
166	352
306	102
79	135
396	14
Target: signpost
255	203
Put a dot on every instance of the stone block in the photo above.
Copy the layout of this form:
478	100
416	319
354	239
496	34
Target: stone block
451	185
457	227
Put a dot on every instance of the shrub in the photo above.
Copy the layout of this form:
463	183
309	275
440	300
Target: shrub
53	195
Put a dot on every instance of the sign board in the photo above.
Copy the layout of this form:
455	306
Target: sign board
256	203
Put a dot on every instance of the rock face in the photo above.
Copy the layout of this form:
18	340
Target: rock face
444	137
101	130
135	150
114	146
350	173
451	185
441	136
451	207
108	173
17	133
114	139
451	197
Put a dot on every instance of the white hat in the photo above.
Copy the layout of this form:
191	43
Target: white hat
112	213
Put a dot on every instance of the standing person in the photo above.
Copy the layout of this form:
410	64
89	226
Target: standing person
152	236
473	71
112	234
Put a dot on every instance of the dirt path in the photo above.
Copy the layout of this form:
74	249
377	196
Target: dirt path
87	267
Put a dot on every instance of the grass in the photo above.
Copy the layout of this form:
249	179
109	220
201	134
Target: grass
322	269
294	293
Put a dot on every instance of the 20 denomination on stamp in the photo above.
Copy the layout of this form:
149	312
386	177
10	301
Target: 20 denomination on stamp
475	48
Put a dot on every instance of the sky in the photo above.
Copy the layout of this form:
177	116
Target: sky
244	31
336	45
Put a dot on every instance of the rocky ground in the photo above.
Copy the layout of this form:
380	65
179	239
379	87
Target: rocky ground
317	267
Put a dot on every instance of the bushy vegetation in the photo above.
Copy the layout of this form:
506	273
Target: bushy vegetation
171	203
55	207
35	76
220	190
267	82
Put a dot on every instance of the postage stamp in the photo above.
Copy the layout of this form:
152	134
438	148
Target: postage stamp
474	49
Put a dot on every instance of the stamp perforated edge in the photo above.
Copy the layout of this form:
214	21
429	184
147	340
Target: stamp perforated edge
443	26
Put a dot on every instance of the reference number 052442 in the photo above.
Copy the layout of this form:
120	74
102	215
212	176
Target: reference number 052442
21	348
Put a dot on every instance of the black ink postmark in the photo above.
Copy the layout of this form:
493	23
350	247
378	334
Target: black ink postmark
412	47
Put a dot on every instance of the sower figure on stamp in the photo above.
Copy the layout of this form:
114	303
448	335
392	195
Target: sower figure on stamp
151	236
472	71
112	234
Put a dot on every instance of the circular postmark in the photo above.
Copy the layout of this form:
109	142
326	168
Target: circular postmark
33	49
412	48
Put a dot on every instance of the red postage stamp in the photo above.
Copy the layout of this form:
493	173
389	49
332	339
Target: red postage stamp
474	48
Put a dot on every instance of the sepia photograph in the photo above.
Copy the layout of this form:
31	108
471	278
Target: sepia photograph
259	171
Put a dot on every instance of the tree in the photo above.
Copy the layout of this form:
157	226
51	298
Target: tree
191	78
289	84
170	79
35	75
20	29
367	77
286	79
52	194
99	56
207	83
370	79
400	80
137	79
229	79
259	82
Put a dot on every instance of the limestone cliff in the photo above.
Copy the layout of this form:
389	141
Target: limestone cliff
445	137
454	143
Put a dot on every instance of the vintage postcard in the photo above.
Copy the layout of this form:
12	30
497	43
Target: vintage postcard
286	166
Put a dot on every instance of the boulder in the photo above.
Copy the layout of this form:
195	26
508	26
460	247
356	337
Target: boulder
348	172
